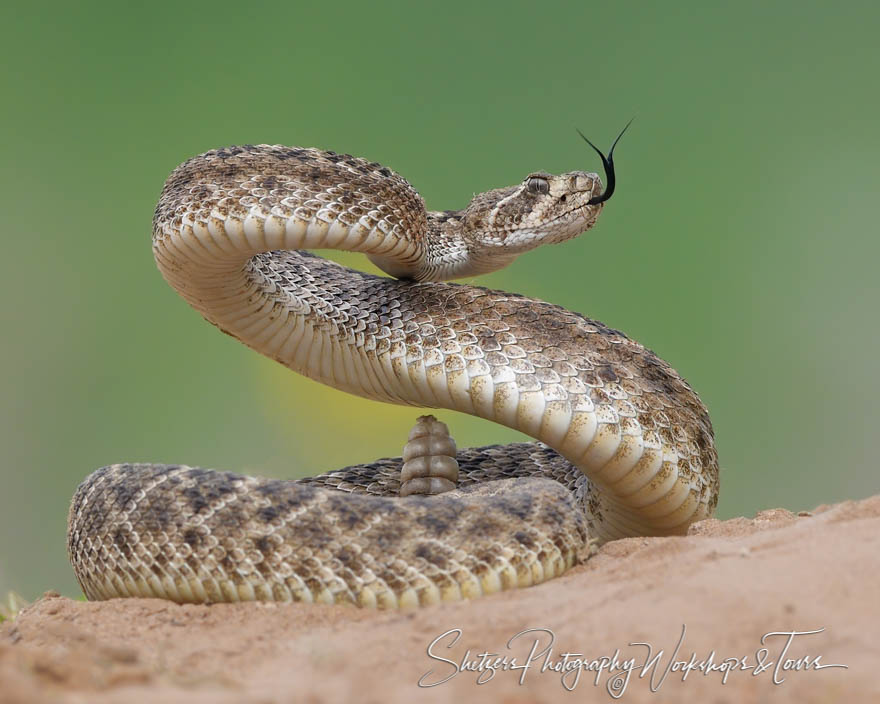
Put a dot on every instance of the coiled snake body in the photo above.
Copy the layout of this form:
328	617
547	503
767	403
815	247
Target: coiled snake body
625	446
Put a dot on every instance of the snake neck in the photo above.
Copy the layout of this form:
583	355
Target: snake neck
450	251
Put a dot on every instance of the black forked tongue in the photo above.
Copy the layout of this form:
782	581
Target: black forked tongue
608	163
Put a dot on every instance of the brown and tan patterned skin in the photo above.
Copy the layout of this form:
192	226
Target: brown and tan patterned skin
625	447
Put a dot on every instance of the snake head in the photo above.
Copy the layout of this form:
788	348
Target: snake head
501	224
543	209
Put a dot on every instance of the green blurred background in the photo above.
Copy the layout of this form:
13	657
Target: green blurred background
741	245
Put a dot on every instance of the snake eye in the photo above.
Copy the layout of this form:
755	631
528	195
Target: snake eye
538	184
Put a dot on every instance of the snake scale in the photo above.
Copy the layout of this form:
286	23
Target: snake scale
625	446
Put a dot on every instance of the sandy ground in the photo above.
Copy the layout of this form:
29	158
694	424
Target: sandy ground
723	587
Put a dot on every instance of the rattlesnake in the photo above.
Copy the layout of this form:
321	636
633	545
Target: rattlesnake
625	445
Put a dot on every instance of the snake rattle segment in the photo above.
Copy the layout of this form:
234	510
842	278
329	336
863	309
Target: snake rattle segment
624	445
